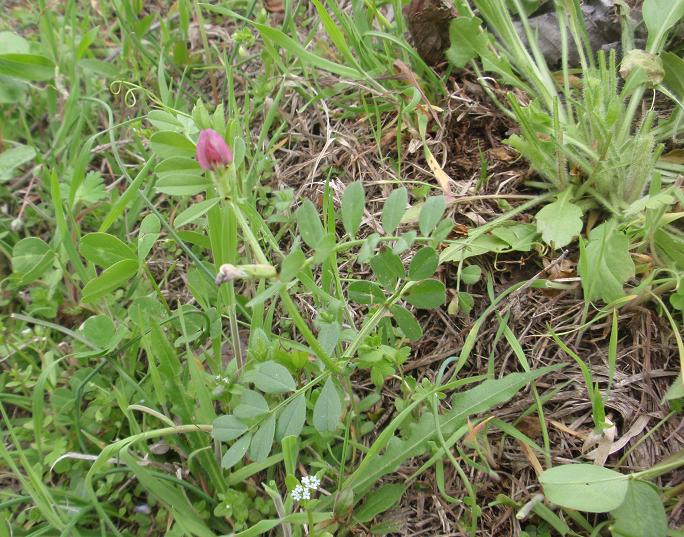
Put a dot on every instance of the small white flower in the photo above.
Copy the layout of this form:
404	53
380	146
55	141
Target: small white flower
306	495
298	493
311	482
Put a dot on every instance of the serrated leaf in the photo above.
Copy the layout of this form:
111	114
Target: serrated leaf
641	514
228	427
560	222
263	440
252	404
353	204
292	418
605	264
309	224
271	377
585	487
426	294
394	209
328	408
407	322
424	264
430	214
236	452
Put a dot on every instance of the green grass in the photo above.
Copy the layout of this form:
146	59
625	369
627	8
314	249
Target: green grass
140	397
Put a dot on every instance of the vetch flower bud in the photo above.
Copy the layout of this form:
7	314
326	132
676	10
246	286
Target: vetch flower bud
212	150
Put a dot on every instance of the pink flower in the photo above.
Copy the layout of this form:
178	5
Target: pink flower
212	150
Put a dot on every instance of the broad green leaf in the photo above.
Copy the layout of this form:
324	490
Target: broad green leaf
292	418
659	17
182	184
104	249
309	224
430	214
353	204
167	144
641	514
147	235
407	322
520	237
195	211
26	66
252	404
263	440
670	247
394	209
111	278
426	294
12	158
328	408
271	377
164	121
236	452
424	264
365	292
13	43
463	249
379	501
31	257
605	264
227	428
471	274
585	487
560	222
100	330
466	302
387	268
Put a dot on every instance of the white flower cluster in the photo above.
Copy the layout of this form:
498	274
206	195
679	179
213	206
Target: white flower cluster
219	378
303	491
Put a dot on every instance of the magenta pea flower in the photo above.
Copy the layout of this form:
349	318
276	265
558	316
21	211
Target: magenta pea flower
212	150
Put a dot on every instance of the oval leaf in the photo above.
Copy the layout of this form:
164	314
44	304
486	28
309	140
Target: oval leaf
585	487
167	144
31	257
379	501
394	209
194	212
104	249
328	408
272	377
407	322
292	418
424	263
263	440
115	276
427	294
363	292
228	427
236	452
353	203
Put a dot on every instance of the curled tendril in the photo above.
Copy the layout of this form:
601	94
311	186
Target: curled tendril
130	97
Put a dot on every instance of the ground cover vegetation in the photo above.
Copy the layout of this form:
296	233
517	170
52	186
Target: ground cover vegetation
341	268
